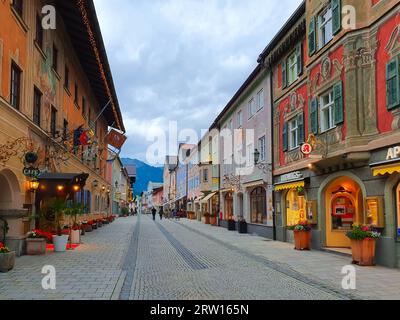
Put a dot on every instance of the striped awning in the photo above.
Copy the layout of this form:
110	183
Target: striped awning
291	185
205	199
386	169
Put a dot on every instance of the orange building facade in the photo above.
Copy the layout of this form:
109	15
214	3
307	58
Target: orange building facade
52	81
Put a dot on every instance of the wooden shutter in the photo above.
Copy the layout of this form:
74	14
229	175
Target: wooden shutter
284	74
285	137
338	100
393	84
300	127
336	16
311	37
314	116
299	55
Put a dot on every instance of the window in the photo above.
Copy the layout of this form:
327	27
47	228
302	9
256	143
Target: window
55	58
39	32
15	88
37	106
76	95
327	112
261	148
293	134
251	108
260	100
205	175
258	206
18	6
240	119
292	68
65	130
295	208
53	122
325	28
393	84
66	78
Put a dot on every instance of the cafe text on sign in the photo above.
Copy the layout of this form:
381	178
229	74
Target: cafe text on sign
393	153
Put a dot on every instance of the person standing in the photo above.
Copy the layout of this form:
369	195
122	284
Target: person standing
154	212
161	213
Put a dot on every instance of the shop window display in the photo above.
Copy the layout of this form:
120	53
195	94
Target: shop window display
258	206
343	213
295	208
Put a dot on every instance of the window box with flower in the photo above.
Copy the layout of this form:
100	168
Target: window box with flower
363	244
36	242
302	235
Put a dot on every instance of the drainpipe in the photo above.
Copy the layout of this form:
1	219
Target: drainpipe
272	150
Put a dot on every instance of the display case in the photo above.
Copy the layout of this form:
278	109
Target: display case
374	212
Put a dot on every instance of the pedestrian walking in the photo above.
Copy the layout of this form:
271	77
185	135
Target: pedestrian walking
154	212
161	213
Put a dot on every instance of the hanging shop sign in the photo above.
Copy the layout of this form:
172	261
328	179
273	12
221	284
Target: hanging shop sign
306	149
31	172
393	153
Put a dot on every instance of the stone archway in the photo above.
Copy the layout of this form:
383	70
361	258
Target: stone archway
10	195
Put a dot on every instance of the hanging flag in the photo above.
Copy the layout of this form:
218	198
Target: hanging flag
77	137
84	138
115	139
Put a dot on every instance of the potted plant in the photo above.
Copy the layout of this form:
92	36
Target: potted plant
302	235
242	225
124	212
7	258
60	239
75	210
99	223
86	226
36	242
213	219
231	224
363	244
207	218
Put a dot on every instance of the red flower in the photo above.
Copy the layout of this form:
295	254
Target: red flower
1	245
365	228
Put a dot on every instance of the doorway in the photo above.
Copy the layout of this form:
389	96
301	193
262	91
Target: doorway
228	206
344	206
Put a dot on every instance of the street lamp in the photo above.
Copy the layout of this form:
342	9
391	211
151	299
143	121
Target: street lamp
34	185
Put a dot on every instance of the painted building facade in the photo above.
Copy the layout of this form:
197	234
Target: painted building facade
49	88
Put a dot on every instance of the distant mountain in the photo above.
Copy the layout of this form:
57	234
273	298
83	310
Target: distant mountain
145	173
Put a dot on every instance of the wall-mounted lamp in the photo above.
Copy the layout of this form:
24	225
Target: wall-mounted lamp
60	188
33	185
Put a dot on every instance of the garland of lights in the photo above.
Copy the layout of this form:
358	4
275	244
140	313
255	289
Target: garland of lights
82	8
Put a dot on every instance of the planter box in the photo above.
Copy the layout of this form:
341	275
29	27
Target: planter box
87	228
207	220
363	252
60	243
35	247
242	227
231	225
75	236
213	221
7	261
302	240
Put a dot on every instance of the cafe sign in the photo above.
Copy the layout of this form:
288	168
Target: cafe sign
31	172
292	176
393	153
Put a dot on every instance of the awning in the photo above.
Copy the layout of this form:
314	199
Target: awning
206	198
387	169
254	184
288	186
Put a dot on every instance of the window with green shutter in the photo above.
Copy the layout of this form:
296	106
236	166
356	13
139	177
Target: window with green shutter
314	116
300	128
311	37
336	16
393	84
284	74
338	103
299	54
285	137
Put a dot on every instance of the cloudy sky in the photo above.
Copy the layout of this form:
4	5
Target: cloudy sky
182	60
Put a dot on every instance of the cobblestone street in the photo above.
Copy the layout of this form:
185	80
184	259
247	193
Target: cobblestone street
137	258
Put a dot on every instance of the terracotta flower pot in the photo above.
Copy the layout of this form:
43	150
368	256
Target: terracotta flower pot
356	249
207	220
368	252
302	240
35	247
213	221
7	261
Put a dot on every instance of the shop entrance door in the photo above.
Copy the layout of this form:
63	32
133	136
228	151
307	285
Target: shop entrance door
228	206
344	207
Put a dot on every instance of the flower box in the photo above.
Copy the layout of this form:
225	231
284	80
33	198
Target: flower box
213	220
207	219
363	244
76	236
7	261
35	247
302	240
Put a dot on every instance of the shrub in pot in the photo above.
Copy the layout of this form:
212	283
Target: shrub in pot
60	239
213	219
86	226
74	210
7	259
207	218
302	235
36	242
363	244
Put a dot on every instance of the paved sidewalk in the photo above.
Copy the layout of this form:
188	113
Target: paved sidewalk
372	282
91	272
